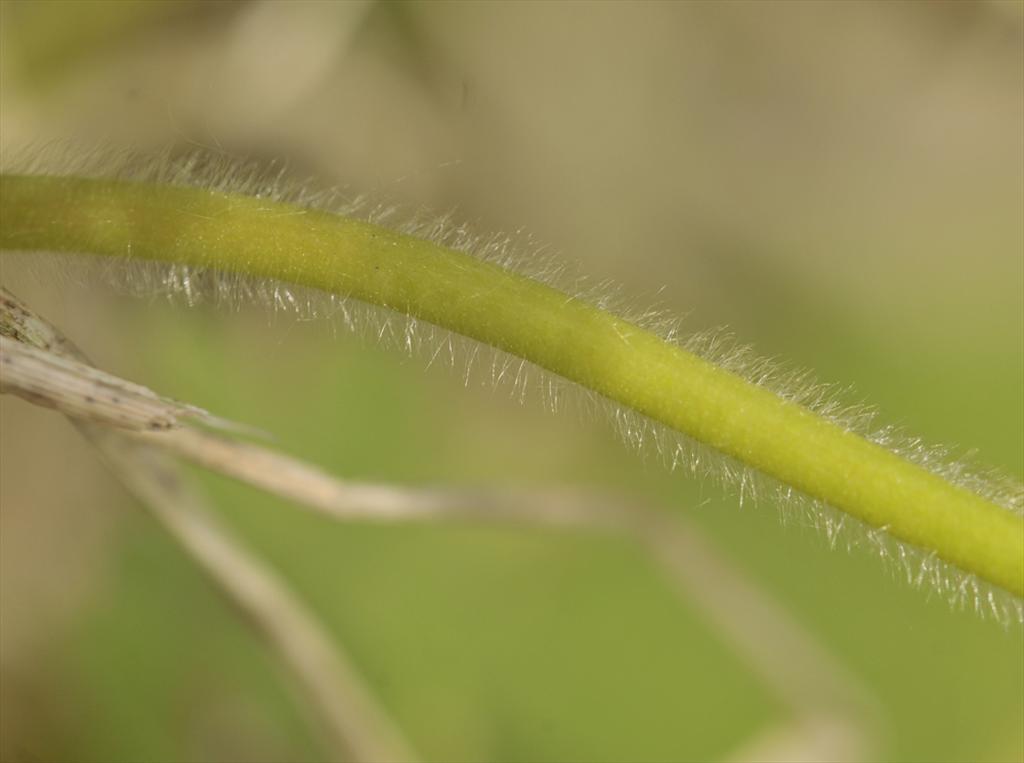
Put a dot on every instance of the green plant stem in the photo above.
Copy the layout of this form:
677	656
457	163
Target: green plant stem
567	336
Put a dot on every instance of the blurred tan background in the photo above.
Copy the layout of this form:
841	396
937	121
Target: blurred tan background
839	183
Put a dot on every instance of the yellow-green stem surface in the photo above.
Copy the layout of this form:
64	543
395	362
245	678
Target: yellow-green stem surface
594	348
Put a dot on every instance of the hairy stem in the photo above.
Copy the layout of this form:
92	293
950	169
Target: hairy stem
565	335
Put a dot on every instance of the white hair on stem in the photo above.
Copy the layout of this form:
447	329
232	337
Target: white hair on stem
483	364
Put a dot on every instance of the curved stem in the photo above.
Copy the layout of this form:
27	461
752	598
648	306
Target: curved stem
567	336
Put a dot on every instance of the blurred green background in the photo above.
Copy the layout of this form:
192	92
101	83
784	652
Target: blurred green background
839	183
